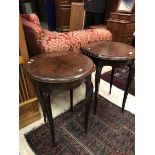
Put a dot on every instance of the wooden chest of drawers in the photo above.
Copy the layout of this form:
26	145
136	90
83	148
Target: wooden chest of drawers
122	27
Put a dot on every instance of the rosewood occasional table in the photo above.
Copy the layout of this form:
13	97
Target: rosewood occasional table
115	54
60	71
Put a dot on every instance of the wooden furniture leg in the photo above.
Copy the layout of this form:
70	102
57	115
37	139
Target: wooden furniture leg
130	76
97	81
46	99
43	95
111	80
39	96
89	94
71	100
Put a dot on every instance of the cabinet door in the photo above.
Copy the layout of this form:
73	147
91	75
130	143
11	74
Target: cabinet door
77	16
111	6
63	11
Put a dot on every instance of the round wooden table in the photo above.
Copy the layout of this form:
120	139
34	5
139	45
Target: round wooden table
60	71
115	54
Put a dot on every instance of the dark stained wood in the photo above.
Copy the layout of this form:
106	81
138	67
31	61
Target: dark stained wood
108	50
71	100
60	71
111	6
115	54
55	69
111	80
130	77
122	27
63	11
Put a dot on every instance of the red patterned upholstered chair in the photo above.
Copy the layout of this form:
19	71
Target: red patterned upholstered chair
40	40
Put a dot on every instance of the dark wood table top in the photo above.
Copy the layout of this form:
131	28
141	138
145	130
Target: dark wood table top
109	50
53	68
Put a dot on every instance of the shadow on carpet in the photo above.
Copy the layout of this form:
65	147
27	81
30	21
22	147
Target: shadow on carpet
120	78
110	132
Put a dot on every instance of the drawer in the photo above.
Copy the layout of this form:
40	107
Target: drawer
113	26
127	39
129	28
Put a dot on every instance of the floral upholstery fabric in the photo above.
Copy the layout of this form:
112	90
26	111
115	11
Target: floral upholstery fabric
31	18
55	42
33	34
83	37
40	40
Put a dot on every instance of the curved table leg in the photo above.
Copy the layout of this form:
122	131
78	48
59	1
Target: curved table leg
97	81
111	80
130	76
46	99
71	100
43	95
39	96
89	94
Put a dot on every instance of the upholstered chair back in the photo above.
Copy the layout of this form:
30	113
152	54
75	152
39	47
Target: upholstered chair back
33	33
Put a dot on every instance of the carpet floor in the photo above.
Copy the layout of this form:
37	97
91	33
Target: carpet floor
120	78
110	132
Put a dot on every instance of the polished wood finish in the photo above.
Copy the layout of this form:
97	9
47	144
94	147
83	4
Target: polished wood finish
63	12
115	54
122	16
28	103
77	16
108	50
111	6
122	27
67	69
60	71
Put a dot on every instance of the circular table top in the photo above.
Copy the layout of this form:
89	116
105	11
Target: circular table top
53	68
109	50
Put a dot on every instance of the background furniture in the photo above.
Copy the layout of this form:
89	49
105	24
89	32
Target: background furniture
113	54
28	103
59	71
77	17
121	21
42	41
63	13
122	27
111	6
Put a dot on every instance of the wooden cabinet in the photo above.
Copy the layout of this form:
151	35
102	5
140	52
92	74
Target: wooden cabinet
110	6
122	27
28	102
63	11
77	19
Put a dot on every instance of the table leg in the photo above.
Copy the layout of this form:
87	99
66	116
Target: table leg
130	76
39	96
97	81
89	94
111	80
43	95
71	100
